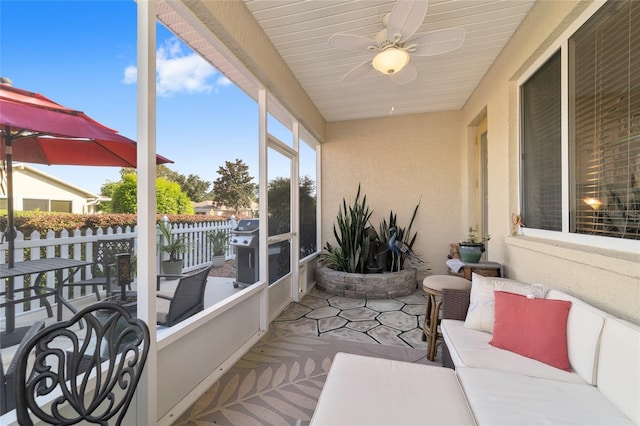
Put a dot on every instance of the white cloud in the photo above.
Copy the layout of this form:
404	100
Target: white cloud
223	81
180	72
130	75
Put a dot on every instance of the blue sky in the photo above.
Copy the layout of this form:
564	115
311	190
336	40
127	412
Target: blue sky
82	54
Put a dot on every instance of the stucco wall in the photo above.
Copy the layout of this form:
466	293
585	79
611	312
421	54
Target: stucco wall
399	162
607	278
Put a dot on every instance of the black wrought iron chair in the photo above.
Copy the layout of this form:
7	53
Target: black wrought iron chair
103	272
89	375
188	299
8	377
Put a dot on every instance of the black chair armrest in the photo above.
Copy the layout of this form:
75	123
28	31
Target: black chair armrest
455	303
174	276
162	296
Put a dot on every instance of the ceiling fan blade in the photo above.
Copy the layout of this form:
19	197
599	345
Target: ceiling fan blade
358	71
352	42
437	42
406	17
405	75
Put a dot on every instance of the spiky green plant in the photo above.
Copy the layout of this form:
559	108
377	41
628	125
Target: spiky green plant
349	232
404	240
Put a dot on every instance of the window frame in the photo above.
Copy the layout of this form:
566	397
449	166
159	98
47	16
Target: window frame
561	43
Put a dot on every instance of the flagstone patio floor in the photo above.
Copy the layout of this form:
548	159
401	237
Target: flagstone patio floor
396	322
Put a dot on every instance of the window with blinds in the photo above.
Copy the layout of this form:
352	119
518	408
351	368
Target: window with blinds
541	147
604	83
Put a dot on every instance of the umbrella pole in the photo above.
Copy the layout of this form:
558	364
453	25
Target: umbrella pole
10	235
10	232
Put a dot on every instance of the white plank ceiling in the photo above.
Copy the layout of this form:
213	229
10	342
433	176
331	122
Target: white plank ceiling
300	29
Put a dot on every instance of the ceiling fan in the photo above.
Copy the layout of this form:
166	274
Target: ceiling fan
393	45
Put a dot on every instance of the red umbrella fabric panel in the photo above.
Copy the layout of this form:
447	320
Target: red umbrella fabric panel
61	135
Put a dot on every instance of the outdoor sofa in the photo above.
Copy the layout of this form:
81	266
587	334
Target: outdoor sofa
495	386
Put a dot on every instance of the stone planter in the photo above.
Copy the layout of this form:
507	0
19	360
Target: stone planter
370	286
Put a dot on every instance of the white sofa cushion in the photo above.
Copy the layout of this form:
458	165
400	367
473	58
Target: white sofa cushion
584	327
369	391
502	398
471	348
619	366
481	312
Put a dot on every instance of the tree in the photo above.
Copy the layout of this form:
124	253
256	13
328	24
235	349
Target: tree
161	171
279	210
234	188
279	196
195	188
106	190
124	197
169	197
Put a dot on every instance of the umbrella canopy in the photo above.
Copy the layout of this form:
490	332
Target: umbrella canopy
34	129
44	132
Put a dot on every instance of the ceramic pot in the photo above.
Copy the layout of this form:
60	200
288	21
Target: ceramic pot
470	252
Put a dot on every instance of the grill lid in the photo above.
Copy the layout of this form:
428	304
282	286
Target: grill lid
247	226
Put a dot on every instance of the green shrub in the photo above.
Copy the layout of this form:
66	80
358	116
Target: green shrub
27	222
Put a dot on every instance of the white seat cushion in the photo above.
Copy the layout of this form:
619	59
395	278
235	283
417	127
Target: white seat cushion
501	398
471	348
369	391
619	366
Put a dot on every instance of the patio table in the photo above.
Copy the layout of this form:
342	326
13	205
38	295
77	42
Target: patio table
12	336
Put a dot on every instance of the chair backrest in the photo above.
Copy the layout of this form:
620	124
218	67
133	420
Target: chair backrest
188	298
95	392
105	251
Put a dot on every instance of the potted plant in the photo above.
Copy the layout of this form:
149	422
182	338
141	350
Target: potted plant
363	250
173	245
352	251
218	240
472	248
363	263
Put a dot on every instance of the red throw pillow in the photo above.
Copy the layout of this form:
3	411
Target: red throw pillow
535	328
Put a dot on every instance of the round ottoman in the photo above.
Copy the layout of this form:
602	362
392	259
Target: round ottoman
433	285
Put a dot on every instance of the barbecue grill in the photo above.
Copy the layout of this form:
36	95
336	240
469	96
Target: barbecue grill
244	239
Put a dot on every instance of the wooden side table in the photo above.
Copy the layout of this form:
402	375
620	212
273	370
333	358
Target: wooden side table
487	269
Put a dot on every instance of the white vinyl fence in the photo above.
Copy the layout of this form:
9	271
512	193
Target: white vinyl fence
79	245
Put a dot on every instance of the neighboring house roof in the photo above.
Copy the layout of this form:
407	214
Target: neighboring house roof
40	175
209	207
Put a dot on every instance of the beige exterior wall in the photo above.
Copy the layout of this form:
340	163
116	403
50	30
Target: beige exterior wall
34	185
399	161
607	278
433	156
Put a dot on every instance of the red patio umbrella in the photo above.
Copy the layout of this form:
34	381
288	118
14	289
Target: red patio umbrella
34	129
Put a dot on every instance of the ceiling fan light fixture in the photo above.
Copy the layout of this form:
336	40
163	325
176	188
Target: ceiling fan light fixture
390	60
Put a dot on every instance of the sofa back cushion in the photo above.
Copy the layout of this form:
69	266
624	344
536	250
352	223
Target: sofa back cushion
619	366
584	327
481	314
